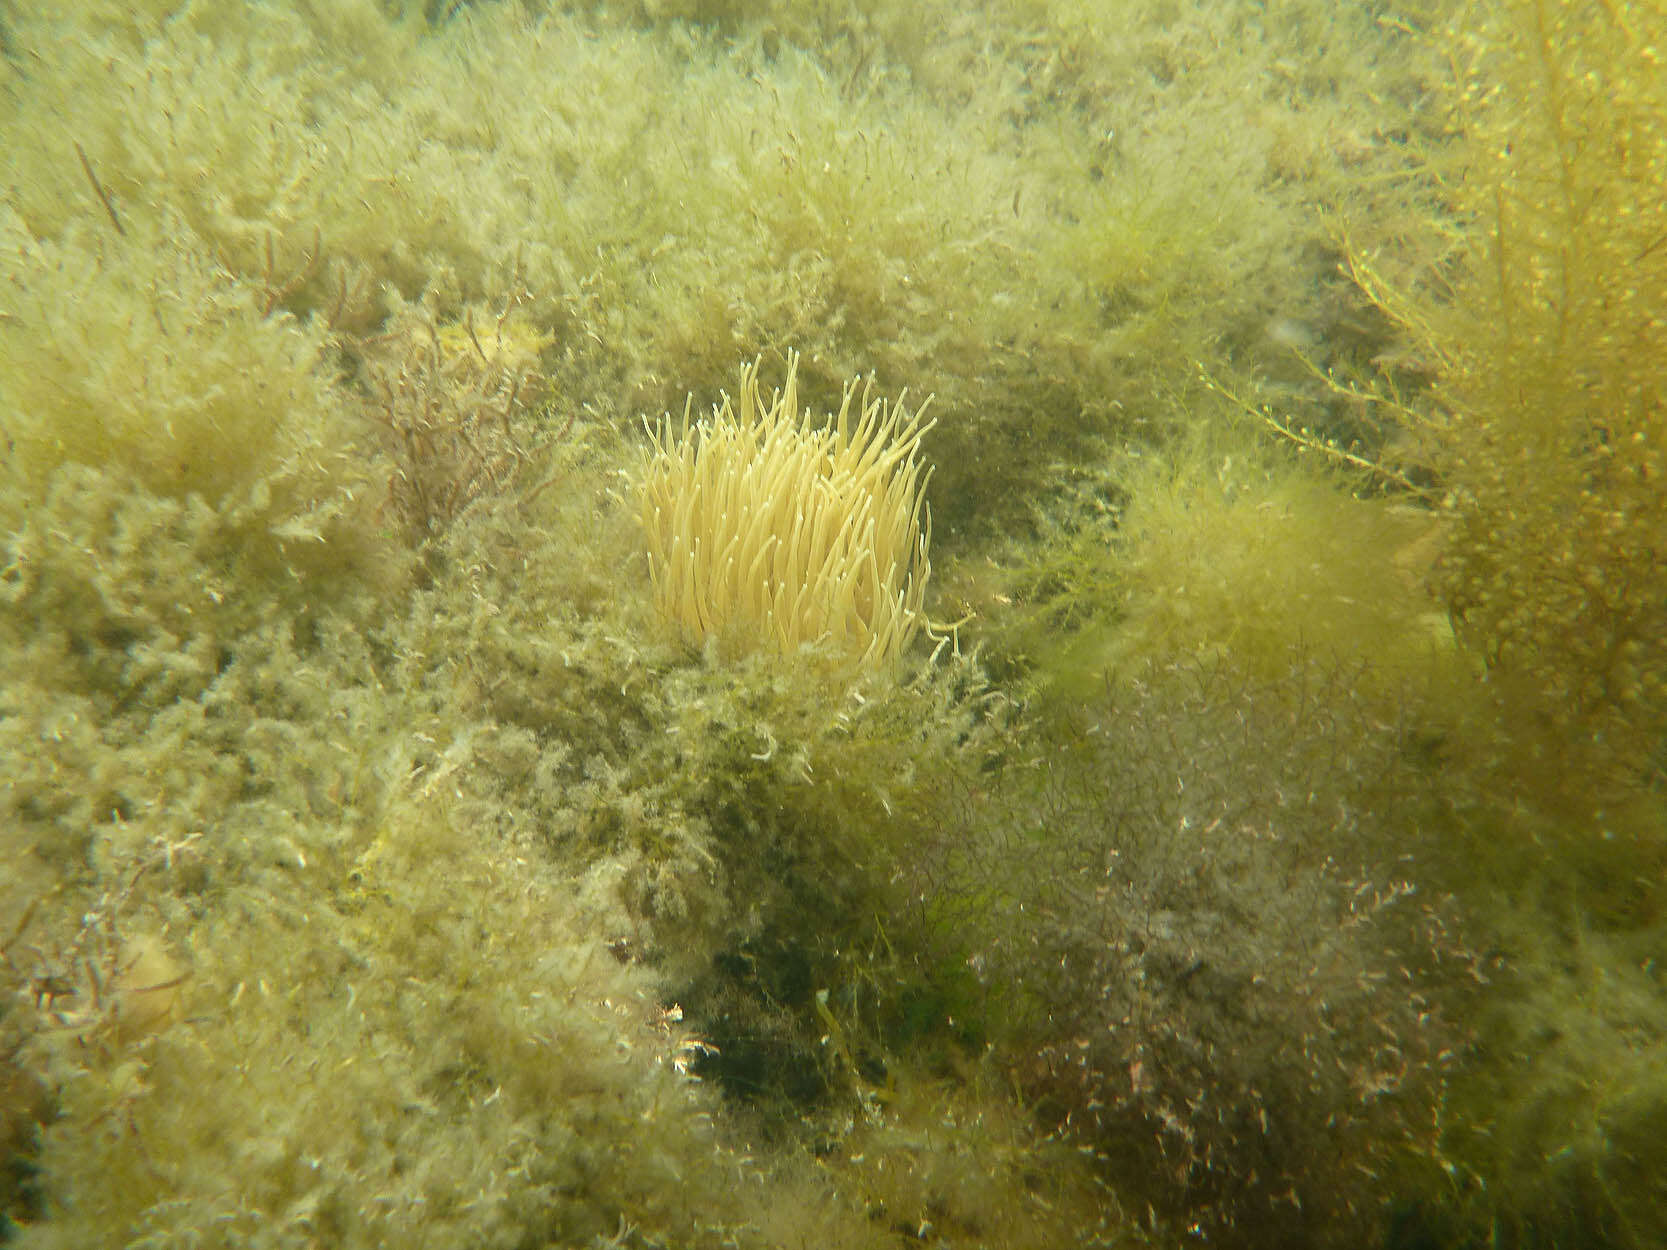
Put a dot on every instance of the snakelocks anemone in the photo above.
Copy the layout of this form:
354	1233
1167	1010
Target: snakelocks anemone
767	529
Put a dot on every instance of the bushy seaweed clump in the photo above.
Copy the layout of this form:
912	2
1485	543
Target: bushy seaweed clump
1205	955
186	489
1546	425
1216	545
458	410
134	364
1546	428
1205	918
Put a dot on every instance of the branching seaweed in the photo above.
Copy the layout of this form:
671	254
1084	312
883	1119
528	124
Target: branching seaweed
454	406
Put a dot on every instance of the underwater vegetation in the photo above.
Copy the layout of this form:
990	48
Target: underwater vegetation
1546	411
446	801
1198	923
1546	426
